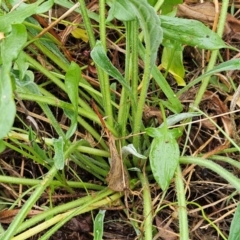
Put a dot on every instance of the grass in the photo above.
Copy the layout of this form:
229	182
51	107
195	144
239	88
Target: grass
109	124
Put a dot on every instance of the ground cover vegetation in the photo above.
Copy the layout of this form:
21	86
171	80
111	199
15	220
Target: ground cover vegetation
119	120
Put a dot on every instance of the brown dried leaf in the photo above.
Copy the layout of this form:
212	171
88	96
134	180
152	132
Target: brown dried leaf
6	216
117	177
205	13
164	231
150	112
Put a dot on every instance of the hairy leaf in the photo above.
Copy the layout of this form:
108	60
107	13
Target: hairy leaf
164	158
190	32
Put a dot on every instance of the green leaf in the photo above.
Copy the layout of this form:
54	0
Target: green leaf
45	6
98	225
190	32
151	26
121	10
130	149
18	16
164	159
152	2
235	226
100	58
169	5
10	48
7	104
230	65
175	103
71	82
59	154
153	132
172	61
2	146
13	43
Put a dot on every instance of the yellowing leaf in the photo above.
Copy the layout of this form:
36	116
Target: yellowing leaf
80	33
2	36
172	62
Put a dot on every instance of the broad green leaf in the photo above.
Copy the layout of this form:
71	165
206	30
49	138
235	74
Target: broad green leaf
13	43
172	61
190	32
7	104
168	6
235	226
18	16
10	49
153	132
122	10
151	26
59	154
98	225
100	58
164	159
21	65
45	6
152	2
160	132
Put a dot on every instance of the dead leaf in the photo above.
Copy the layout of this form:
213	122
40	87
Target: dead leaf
150	112
164	231
117	178
6	216
205	13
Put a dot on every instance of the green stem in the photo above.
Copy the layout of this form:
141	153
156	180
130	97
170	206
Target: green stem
131	65
137	124
182	207
134	71
17	221
35	182
213	167
87	203
213	58
102	76
147	207
95	203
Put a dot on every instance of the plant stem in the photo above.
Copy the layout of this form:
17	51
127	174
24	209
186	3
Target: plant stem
17	221
131	72
35	182
147	207
213	167
103	77
213	58
182	207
